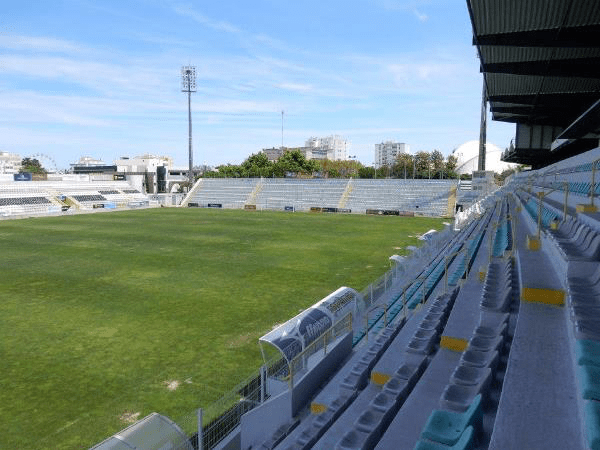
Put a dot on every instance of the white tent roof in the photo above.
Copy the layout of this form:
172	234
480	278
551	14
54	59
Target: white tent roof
468	157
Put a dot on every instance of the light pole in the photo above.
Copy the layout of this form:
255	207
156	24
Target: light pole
188	84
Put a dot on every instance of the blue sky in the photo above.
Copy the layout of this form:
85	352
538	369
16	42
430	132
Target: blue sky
102	78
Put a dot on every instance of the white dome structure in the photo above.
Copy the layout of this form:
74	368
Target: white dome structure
467	156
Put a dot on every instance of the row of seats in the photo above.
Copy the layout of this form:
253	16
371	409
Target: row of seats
584	295
420	288
354	381
471	247
503	236
576	240
498	290
358	375
89	197
548	215
458	422
370	425
18	201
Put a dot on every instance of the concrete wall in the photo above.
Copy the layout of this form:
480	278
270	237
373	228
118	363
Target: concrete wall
259	423
306	387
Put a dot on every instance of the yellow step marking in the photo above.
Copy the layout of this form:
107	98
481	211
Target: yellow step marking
547	296
454	344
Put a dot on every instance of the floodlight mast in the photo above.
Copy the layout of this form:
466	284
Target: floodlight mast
188	84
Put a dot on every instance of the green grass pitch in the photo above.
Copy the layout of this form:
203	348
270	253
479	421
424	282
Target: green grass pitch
99	312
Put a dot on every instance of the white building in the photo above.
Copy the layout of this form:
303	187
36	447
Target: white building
158	174
143	163
88	161
387	152
334	148
9	163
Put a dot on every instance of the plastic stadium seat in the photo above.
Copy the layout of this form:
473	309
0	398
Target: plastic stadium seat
486	343
355	440
370	421
357	377
575	282
580	311
589	380
468	375
447	427
385	404
476	358
411	371
397	388
464	443
587	352
587	329
498	302
592	424
490	331
421	346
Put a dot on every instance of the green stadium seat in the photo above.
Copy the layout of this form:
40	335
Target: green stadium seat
587	352
464	443
592	424
447	427
589	380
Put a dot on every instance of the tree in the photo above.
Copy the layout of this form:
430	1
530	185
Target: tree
451	163
437	164
31	165
339	169
256	165
366	172
403	168
423	164
294	162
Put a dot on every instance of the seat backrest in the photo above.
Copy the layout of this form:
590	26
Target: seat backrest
473	414
592	251
466	439
587	241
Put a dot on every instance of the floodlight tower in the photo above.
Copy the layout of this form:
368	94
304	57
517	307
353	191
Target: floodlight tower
188	84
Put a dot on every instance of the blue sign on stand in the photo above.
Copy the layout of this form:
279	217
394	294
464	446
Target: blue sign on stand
25	176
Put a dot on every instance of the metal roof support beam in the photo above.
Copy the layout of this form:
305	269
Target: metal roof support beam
587	123
482	129
587	68
570	37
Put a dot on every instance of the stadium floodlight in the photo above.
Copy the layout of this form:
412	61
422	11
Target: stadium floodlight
188	84
188	79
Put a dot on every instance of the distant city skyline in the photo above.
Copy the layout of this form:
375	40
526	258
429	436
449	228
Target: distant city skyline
102	80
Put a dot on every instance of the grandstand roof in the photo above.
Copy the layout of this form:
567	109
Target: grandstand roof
541	65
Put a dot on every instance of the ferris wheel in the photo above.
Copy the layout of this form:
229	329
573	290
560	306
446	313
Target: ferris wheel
46	161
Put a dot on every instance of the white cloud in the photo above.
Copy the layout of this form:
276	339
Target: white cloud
187	11
413	6
421	16
41	44
296	87
103	77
